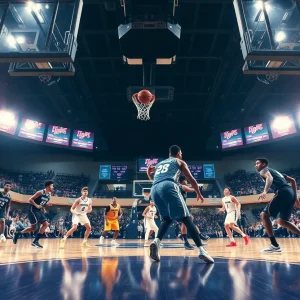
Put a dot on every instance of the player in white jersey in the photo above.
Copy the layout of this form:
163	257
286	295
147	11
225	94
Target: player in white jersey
233	209
81	207
150	214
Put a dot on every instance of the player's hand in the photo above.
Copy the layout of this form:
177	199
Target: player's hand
200	197
297	202
39	206
49	204
6	217
155	217
218	210
262	196
151	169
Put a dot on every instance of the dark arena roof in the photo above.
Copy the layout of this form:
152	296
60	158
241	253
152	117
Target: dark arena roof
211	92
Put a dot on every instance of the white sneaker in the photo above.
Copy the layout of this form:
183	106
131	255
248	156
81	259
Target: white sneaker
101	240
271	249
203	254
114	243
2	238
155	249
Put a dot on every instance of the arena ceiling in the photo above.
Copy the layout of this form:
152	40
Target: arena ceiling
211	93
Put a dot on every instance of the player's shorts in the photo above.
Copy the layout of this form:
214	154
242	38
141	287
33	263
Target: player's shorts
169	200
35	215
112	225
2	213
231	217
282	204
150	224
82	219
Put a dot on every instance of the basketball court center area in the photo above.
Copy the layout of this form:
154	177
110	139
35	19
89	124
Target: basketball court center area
93	92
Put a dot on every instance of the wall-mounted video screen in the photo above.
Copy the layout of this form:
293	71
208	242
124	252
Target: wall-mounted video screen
83	139
256	133
282	126
8	122
231	138
58	135
144	163
32	130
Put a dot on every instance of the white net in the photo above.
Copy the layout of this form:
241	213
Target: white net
143	109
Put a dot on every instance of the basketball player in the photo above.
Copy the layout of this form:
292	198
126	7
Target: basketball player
113	214
80	208
149	215
184	189
282	203
169	201
4	209
233	209
36	214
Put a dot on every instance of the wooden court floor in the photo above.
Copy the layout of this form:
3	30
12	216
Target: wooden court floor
127	272
24	252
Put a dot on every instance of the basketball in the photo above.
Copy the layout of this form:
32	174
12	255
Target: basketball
145	96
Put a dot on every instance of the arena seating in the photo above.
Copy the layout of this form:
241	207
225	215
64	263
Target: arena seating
67	185
25	182
245	183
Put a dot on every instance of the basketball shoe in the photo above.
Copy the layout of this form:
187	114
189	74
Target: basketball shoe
203	254
272	249
155	249
2	238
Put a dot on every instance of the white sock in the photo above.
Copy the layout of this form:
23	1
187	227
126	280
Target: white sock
231	239
243	235
84	240
65	237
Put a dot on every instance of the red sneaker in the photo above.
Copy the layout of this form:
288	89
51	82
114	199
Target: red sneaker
246	239
232	244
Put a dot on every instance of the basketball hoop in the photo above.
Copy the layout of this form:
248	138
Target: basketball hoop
146	196
143	108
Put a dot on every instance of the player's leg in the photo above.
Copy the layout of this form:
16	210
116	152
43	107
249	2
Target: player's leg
2	227
45	224
184	238
34	223
179	211
287	204
238	230
229	233
272	209
88	228
107	228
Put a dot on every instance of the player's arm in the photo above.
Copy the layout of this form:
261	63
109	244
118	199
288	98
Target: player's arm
35	196
185	170
222	208
90	207
73	207
238	205
7	209
269	180
145	212
150	172
293	183
120	213
187	189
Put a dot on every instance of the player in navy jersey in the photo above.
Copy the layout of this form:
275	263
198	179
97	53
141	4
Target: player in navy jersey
4	208
184	189
281	205
171	206
36	214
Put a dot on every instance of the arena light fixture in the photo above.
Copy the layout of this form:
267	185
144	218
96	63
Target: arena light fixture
282	122
259	6
8	118
280	36
20	39
11	41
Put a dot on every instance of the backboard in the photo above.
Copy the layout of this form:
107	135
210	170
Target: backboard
269	32
140	187
40	34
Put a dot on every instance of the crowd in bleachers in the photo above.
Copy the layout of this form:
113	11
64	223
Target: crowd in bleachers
28	183
25	182
244	183
69	185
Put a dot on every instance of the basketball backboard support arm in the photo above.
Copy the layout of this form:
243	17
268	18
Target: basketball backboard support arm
43	52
